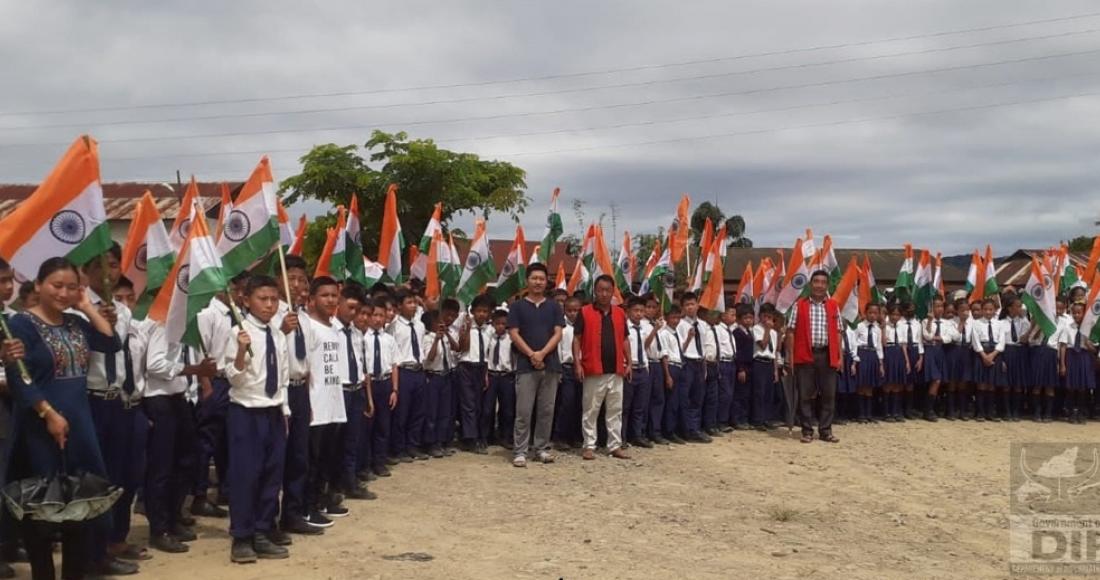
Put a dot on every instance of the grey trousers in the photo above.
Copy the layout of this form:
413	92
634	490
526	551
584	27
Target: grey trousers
540	386
816	380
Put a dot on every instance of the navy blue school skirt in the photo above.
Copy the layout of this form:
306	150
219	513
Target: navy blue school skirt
935	363
958	363
991	375
1080	374
1017	367
1044	367
895	365
867	370
845	380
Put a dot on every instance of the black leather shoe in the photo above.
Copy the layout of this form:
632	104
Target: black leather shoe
299	526
6	571
205	509
186	520
267	550
392	461
420	455
436	452
405	458
674	438
167	543
382	471
280	538
242	552
644	443
114	567
658	440
360	493
182	533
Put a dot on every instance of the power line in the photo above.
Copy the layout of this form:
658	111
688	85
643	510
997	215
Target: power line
636	68
634	84
591	108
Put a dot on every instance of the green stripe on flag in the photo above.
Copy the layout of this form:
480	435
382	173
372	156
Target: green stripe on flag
97	242
251	250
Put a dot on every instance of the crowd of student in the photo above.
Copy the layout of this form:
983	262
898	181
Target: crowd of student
300	401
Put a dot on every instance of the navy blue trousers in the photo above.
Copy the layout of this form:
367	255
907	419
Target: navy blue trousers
123	435
567	415
710	397
257	452
695	386
355	402
408	418
674	400
471	386
378	426
433	386
444	422
296	464
634	422
742	397
170	460
655	419
210	415
499	407
763	391
726	377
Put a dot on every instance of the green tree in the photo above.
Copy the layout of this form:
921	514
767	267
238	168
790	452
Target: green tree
735	225
1080	244
424	173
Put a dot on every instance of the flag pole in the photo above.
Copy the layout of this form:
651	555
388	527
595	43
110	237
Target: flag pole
237	320
23	372
286	279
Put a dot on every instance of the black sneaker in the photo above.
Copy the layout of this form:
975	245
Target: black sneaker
391	461
482	448
726	429
267	550
335	511
658	440
300	526
279	538
419	455
242	552
167	543
436	452
318	520
360	493
182	533
405	458
205	509
113	567
642	442
382	471
674	438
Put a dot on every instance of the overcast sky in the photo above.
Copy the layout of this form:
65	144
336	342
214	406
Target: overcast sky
879	122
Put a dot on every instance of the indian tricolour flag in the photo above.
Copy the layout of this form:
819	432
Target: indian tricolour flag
450	267
798	277
623	277
389	247
194	280
63	217
419	266
299	242
746	286
512	277
147	257
991	286
372	271
1092	313
554	229
923	282
190	206
353	247
479	269
847	292
338	257
251	230
1038	295
905	281
224	208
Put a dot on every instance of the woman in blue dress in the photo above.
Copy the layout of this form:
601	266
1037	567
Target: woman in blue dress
51	416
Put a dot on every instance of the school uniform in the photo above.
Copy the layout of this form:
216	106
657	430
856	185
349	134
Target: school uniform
437	391
846	382
407	420
913	336
217	329
935	353
869	347
1080	371
676	398
655	353
637	389
126	464
763	375
256	425
1044	360
987	336
567	415
694	375
473	369
325	348
1017	374
380	352
727	373
498	403
355	402
296	463
894	356
171	450
710	395
742	363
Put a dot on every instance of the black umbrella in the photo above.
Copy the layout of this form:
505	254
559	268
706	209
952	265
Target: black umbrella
63	497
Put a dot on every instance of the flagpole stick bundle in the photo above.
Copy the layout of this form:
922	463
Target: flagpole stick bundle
23	372
286	279
237	320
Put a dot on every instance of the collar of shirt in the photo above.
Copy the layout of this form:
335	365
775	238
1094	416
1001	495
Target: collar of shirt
256	322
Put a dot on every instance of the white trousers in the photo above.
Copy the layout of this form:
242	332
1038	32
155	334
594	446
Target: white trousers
599	390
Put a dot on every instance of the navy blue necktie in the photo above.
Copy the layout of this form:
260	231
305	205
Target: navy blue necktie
1077	341
870	336
377	356
1012	324
446	363
990	331
641	354
110	364
353	365
937	328
299	342
128	383
271	376
481	345
496	354
847	346
187	362
698	339
414	342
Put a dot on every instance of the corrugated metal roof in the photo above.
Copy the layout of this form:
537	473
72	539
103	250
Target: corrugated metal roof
885	263
1016	268
120	199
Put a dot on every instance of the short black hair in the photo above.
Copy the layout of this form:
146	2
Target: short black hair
745	309
257	281
483	301
320	281
402	295
604	278
429	319
574	299
296	262
559	292
241	278
450	305
55	264
635	301
380	288
688	295
27	287
674	309
124	282
499	313
537	267
817	273
352	291
382	302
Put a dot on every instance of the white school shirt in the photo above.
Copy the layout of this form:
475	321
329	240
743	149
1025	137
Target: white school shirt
248	387
473	354
352	348
217	329
1055	336
696	349
565	346
635	336
387	350
327	371
655	351
757	336
436	364
853	343
403	331
299	369
979	333
670	343
139	345
949	331
710	343
726	348
97	361
876	335
163	364
504	365
911	329
1022	327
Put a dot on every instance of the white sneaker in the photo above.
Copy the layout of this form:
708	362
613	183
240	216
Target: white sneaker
519	461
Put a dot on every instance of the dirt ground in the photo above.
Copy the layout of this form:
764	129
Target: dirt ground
890	501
